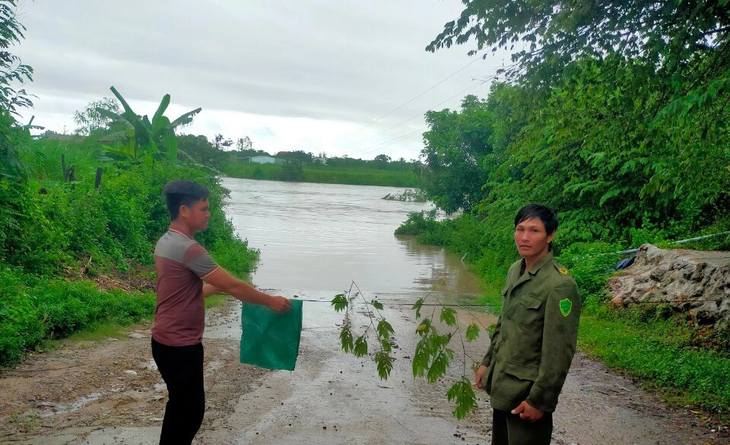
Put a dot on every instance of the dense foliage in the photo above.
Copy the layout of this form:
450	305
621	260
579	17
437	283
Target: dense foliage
13	71
59	232
616	115
53	233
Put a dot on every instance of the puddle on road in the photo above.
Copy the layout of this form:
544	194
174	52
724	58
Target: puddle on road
57	408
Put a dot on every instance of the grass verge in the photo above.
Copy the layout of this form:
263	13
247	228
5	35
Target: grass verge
324	175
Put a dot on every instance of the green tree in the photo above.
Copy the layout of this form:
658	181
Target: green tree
292	171
297	156
138	138
221	142
244	144
12	70
91	119
669	35
381	161
201	150
456	144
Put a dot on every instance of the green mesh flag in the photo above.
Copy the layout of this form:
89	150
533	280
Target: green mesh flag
271	340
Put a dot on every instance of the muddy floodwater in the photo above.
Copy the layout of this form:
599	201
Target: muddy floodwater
324	236
315	241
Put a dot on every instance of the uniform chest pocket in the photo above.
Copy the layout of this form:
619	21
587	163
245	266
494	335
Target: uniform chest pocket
527	311
530	302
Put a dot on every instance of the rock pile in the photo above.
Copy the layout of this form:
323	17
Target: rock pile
691	281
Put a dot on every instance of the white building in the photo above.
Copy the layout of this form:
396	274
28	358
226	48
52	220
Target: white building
263	159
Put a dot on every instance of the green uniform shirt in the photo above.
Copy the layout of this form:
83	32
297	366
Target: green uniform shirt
533	344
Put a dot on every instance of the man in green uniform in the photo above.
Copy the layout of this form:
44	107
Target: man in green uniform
534	341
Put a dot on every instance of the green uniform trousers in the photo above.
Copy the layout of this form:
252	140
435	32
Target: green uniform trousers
509	429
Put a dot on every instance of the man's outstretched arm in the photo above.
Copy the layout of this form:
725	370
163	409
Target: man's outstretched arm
209	290
223	281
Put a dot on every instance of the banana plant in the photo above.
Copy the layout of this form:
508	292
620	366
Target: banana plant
136	138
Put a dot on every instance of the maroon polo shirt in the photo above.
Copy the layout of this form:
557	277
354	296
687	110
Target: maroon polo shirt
181	265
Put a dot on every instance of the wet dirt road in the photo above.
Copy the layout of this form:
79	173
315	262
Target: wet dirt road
87	394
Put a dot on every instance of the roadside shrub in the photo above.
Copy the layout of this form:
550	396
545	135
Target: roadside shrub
32	310
52	229
418	223
590	264
235	256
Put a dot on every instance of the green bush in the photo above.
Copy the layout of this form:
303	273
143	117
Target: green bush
33	310
50	228
418	223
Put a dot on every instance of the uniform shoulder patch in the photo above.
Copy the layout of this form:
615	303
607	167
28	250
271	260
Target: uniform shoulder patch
565	307
560	268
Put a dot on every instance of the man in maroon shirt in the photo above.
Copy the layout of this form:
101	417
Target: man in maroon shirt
183	266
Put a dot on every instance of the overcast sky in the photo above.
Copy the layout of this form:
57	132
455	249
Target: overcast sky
312	75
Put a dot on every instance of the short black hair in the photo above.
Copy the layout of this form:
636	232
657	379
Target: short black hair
545	214
183	193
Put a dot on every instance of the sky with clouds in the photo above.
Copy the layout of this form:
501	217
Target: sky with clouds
340	77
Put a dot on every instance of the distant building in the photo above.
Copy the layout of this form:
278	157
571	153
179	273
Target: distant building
263	159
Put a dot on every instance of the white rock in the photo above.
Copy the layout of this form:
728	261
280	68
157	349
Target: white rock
689	281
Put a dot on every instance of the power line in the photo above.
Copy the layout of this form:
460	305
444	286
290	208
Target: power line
390	142
416	97
378	146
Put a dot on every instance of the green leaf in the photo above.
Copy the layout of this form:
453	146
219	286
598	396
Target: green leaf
417	307
472	332
160	127
185	118
463	395
377	305
421	358
384	329
361	347
608	195
439	365
339	302
385	365
161	110
448	316
109	115
386	346
346	339
170	143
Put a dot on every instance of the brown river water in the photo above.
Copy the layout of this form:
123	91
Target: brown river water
325	236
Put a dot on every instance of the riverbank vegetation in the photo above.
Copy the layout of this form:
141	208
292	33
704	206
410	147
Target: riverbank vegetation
240	160
80	215
617	117
323	174
65	245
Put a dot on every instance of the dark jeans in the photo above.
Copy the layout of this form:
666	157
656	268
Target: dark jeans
181	368
509	429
